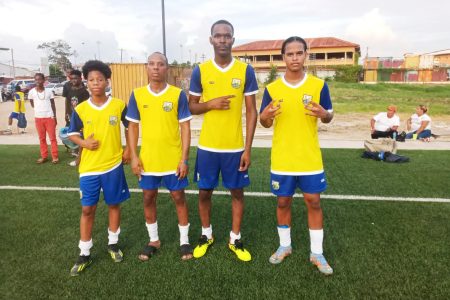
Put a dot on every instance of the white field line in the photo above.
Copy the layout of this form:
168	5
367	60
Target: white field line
254	194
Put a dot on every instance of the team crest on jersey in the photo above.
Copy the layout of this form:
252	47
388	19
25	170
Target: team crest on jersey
113	120
236	83
275	185
167	106
306	99
145	106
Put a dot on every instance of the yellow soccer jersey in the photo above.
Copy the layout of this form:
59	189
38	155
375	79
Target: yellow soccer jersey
295	146
222	129
19	98
159	116
104	123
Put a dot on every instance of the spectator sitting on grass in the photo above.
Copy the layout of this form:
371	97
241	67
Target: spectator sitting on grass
419	124
385	124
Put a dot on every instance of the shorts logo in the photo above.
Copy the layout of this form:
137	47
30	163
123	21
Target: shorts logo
198	176
306	99
81	194
322	180
167	106
236	83
113	120
275	185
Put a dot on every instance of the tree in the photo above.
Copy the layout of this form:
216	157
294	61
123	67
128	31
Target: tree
273	74
58	53
55	70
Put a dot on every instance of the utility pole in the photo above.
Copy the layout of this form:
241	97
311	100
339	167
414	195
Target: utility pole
203	57
121	52
163	27
13	71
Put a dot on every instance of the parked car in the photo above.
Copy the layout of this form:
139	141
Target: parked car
11	87
58	89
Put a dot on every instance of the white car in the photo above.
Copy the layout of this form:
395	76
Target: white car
55	88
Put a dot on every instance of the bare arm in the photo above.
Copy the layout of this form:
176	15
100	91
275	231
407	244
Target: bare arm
32	103
133	136
88	143
316	110
183	168
422	127
408	124
250	122
220	103
372	125
52	102
126	151
269	113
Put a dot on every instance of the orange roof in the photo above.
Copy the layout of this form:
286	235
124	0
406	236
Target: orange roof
323	42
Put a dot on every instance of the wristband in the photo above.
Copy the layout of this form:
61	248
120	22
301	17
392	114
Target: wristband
186	162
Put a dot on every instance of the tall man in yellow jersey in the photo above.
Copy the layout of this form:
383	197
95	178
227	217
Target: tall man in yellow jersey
223	83
161	110
293	104
98	121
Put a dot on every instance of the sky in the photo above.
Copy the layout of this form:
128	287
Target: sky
107	30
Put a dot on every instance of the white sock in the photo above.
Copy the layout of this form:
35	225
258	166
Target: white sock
113	237
284	232
184	234
316	237
9	127
85	247
207	231
234	237
153	231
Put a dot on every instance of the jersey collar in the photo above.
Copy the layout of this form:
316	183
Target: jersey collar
227	68
297	85
157	94
99	107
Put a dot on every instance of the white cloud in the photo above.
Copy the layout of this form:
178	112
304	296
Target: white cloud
371	26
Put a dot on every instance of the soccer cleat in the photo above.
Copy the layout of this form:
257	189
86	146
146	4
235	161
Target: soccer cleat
203	244
80	265
321	263
280	254
240	251
115	252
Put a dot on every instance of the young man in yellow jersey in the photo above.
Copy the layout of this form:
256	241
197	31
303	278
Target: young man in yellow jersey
101	166
293	104
19	110
223	84
161	110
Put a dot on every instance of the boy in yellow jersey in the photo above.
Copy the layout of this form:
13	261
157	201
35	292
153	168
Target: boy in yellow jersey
224	84
292	104
19	111
98	120
161	110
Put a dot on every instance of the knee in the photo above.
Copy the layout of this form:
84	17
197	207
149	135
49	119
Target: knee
178	197
237	195
284	204
149	199
87	211
313	204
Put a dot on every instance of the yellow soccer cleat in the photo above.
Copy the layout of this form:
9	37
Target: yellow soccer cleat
203	244
82	263
240	251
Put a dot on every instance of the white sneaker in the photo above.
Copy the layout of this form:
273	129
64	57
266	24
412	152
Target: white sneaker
73	163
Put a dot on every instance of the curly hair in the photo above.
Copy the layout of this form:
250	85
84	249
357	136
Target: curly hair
96	65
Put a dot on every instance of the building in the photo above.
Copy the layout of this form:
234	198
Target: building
325	54
426	67
6	73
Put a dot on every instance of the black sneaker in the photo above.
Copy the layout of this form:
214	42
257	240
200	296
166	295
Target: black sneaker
82	263
115	252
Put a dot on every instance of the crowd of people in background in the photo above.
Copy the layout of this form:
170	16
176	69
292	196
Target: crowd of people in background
386	124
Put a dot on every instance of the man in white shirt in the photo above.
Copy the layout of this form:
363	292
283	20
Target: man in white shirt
385	124
45	118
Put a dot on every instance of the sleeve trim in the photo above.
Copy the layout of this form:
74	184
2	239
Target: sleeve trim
185	119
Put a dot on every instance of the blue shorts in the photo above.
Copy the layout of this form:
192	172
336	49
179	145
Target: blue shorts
285	185
14	115
209	164
113	184
171	182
